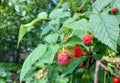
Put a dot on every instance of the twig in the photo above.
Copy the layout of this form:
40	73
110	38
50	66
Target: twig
96	72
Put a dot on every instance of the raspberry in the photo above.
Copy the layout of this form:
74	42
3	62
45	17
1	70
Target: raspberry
87	39
116	80
63	58
114	10
78	51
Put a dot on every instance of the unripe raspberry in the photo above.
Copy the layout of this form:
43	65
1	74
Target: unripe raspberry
87	39
63	58
81	65
114	10
78	51
66	38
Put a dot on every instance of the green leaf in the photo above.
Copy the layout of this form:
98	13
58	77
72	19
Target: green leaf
118	41
31	59
78	15
116	3
49	55
80	33
72	41
22	31
53	50
3	73
70	67
42	15
99	5
54	24
26	27
118	18
68	21
59	13
51	38
56	13
45	30
17	8
80	24
97	56
105	29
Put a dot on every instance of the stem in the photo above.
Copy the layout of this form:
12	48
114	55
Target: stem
71	79
72	32
96	72
105	77
63	49
98	65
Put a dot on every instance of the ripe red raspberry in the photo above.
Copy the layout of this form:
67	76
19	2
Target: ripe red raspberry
78	51
114	10
63	58
116	80
87	39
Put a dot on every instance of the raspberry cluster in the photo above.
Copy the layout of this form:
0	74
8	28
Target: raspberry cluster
68	55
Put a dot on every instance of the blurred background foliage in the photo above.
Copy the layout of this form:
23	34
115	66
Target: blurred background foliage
13	13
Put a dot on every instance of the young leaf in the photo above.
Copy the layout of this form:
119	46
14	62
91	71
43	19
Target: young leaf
22	32
105	29
31	59
26	27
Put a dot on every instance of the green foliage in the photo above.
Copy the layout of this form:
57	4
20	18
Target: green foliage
48	56
72	41
99	5
105	25
71	67
59	13
27	27
13	14
9	72
105	29
32	58
52	38
89	17
81	24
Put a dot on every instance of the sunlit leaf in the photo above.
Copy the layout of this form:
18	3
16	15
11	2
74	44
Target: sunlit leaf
106	29
99	5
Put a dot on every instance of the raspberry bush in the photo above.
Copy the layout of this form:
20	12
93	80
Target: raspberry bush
80	43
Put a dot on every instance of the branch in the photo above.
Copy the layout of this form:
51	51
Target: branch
98	65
